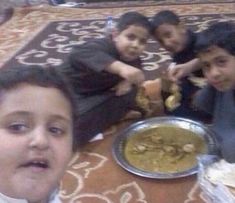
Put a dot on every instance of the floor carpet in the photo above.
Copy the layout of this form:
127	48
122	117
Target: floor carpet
44	35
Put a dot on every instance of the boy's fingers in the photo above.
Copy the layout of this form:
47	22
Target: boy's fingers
138	79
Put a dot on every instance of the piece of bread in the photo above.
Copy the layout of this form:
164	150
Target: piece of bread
222	172
172	102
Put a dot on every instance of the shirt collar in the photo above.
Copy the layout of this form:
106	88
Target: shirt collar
7	199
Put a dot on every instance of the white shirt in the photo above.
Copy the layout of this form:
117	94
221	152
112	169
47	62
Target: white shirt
5	199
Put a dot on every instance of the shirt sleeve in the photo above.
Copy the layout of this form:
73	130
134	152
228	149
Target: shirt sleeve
205	99
93	55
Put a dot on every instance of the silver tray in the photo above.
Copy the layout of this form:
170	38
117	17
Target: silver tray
200	129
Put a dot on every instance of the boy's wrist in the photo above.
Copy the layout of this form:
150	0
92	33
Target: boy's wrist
171	66
115	68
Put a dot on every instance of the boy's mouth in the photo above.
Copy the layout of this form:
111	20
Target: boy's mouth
219	84
130	56
38	164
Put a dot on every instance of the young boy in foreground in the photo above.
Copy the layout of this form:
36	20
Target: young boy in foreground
105	74
37	136
216	51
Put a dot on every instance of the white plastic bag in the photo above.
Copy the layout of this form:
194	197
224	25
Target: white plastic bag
215	192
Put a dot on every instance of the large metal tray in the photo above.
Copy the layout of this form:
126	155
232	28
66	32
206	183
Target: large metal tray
199	128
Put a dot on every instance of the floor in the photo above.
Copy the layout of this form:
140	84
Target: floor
93	175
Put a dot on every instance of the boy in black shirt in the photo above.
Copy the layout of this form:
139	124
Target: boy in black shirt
179	41
105	74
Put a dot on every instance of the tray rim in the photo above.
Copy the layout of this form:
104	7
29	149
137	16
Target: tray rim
123	135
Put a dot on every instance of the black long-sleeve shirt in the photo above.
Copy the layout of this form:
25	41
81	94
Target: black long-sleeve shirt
87	64
85	70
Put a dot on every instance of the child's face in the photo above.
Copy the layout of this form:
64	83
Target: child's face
35	141
172	37
218	68
131	42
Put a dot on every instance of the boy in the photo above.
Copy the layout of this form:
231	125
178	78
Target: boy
105	74
216	51
37	136
179	41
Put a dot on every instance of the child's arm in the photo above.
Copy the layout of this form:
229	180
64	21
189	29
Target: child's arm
122	88
97	56
204	99
181	70
129	73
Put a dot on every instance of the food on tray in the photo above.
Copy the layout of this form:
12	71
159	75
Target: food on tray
189	148
173	101
164	149
143	101
198	81
174	88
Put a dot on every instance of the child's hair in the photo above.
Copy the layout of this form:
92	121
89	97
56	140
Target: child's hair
165	17
133	18
44	77
221	34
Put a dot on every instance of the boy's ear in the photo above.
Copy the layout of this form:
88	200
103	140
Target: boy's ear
182	27
114	33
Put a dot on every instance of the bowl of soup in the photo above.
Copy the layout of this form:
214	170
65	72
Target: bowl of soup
163	147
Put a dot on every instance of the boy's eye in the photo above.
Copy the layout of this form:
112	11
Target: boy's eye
17	127
160	41
167	35
131	37
143	41
220	62
206	67
57	131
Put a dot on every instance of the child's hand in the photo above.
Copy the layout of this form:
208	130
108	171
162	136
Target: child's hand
122	88
133	75
176	72
130	73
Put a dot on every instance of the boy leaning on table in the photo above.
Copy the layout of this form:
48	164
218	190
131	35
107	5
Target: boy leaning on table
106	73
215	48
173	35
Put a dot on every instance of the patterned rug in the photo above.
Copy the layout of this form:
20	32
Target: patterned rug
56	30
44	35
109	4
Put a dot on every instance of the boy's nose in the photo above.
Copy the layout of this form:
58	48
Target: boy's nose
135	43
39	139
168	44
214	71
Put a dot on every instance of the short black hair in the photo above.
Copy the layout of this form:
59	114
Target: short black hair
133	18
40	76
221	34
165	17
